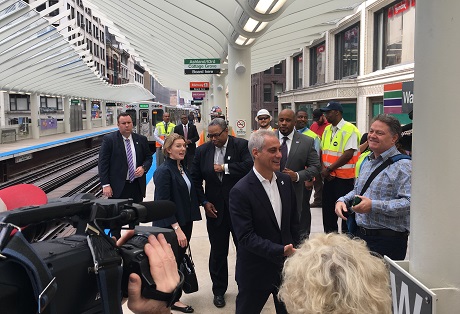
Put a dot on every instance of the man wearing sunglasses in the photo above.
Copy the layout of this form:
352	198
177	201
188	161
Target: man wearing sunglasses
263	119
221	163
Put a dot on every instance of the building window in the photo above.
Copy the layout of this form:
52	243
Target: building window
278	68
278	91
19	102
347	53
318	64
390	45
267	93
297	71
349	112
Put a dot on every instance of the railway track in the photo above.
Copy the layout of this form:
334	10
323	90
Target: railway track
55	175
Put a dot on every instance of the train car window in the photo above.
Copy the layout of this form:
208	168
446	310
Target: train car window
133	115
157	116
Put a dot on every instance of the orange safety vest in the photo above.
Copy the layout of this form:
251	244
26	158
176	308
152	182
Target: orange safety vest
162	132
333	148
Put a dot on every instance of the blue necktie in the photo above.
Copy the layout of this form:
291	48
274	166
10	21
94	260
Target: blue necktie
129	156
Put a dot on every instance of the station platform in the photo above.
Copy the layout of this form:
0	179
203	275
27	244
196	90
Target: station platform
201	300
22	147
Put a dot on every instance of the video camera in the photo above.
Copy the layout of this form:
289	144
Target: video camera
84	272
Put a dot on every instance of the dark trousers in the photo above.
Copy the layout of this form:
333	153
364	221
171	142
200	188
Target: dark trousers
188	159
332	190
160	157
252	301
219	236
393	247
305	215
318	186
187	229
130	190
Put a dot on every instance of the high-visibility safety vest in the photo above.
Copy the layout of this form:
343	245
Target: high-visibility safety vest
162	132
333	149
310	133
359	163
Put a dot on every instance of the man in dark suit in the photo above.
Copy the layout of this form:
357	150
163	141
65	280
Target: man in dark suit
220	162
264	214
190	133
301	164
124	159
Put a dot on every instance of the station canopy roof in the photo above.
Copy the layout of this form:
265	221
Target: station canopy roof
162	33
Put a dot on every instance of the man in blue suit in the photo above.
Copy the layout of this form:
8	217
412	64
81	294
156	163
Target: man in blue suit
264	214
124	159
221	162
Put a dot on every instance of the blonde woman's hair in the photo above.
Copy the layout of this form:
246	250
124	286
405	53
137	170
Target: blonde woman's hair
169	141
333	274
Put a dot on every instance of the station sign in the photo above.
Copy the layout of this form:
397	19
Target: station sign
201	66
74	101
199	85
196	103
408	294
198	95
240	127
110	104
143	106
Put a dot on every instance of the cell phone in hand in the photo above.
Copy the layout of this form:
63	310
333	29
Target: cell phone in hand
356	201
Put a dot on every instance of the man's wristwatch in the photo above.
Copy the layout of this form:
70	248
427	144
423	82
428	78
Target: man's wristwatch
169	298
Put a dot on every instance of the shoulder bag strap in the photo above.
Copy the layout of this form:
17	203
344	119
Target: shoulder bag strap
375	173
387	162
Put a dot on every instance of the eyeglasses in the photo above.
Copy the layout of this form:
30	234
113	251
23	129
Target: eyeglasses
263	118
215	135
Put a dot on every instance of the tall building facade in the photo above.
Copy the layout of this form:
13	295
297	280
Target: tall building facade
366	63
266	86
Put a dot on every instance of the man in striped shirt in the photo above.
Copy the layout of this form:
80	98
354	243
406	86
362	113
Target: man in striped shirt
383	212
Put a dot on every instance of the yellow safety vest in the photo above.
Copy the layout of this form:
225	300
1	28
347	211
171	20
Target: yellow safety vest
310	133
333	148
162	132
360	162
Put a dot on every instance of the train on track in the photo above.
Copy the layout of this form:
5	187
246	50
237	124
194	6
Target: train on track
146	114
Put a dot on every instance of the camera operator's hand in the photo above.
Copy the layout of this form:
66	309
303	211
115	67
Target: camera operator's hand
163	268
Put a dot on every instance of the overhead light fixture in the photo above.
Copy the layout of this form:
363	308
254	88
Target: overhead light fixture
250	25
250	40
269	6
277	6
261	26
263	6
240	40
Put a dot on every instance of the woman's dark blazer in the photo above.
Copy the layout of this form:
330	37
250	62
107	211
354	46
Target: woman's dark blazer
170	185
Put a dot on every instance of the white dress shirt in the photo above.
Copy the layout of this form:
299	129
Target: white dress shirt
271	188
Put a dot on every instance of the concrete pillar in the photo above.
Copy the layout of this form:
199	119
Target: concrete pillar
35	115
103	113
219	92
66	105
239	88
434	238
4	98
89	123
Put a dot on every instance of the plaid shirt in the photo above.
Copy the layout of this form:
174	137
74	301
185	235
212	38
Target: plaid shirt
389	192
